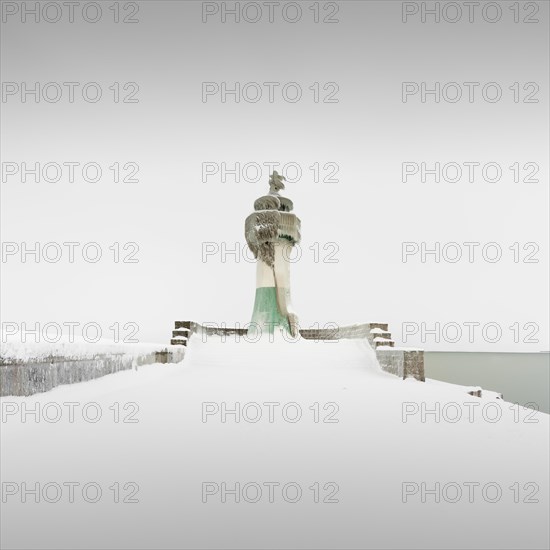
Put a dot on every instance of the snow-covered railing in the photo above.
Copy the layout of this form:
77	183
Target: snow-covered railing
289	226
26	369
270	225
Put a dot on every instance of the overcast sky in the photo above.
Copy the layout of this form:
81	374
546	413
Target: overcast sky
356	123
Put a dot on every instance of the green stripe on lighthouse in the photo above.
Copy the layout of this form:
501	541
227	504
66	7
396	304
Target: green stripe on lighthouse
266	314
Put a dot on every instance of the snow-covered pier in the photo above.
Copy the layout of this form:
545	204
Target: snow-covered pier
423	456
405	363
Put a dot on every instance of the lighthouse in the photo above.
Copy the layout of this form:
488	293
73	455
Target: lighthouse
271	231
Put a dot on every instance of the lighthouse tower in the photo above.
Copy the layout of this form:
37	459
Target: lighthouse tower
271	232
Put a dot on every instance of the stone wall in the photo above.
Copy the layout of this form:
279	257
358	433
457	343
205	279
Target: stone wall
184	330
43	374
402	363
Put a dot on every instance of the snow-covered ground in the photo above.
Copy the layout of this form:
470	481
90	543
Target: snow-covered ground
373	471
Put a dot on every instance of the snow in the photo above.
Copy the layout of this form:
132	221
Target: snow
369	453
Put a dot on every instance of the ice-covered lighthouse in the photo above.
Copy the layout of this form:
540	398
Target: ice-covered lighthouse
271	232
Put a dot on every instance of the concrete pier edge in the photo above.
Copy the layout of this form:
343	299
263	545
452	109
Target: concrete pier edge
405	363
41	374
